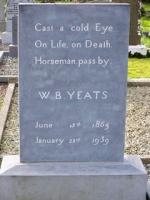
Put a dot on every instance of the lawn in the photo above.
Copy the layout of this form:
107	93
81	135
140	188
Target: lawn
1	103
147	6
145	24
145	41
139	68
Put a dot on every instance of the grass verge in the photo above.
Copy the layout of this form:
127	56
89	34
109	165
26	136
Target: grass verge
147	6
139	68
145	24
1	103
145	41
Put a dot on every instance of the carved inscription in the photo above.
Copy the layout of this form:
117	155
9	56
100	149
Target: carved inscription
73	81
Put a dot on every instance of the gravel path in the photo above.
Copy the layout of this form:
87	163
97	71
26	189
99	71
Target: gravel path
138	121
10	141
9	66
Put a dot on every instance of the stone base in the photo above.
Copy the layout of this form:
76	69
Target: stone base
2	26
6	37
73	181
13	51
138	49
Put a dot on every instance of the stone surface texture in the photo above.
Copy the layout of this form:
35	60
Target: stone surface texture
13	51
15	30
74	120
73	181
5	108
2	10
13	48
6	37
137	139
135	13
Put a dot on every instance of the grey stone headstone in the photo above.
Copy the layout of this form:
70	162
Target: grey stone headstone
13	48
13	51
2	18
15	30
135	15
72	77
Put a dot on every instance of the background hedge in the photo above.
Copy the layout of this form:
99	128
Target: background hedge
146	1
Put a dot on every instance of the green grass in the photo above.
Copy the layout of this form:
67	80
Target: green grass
145	24
145	41
37	1
1	103
139	68
147	6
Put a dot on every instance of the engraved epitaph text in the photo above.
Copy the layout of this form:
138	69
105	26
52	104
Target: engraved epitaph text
73	72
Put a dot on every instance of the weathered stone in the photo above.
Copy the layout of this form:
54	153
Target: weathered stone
2	17
74	181
135	14
13	48
79	114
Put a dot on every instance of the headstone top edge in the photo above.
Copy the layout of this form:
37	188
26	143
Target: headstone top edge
68	4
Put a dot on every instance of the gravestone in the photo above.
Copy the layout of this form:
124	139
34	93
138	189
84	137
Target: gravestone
68	119
13	48
11	10
72	94
135	14
2	17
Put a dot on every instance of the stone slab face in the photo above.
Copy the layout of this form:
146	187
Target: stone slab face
2	26
15	30
7	37
122	180
72	77
2	18
135	14
13	51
